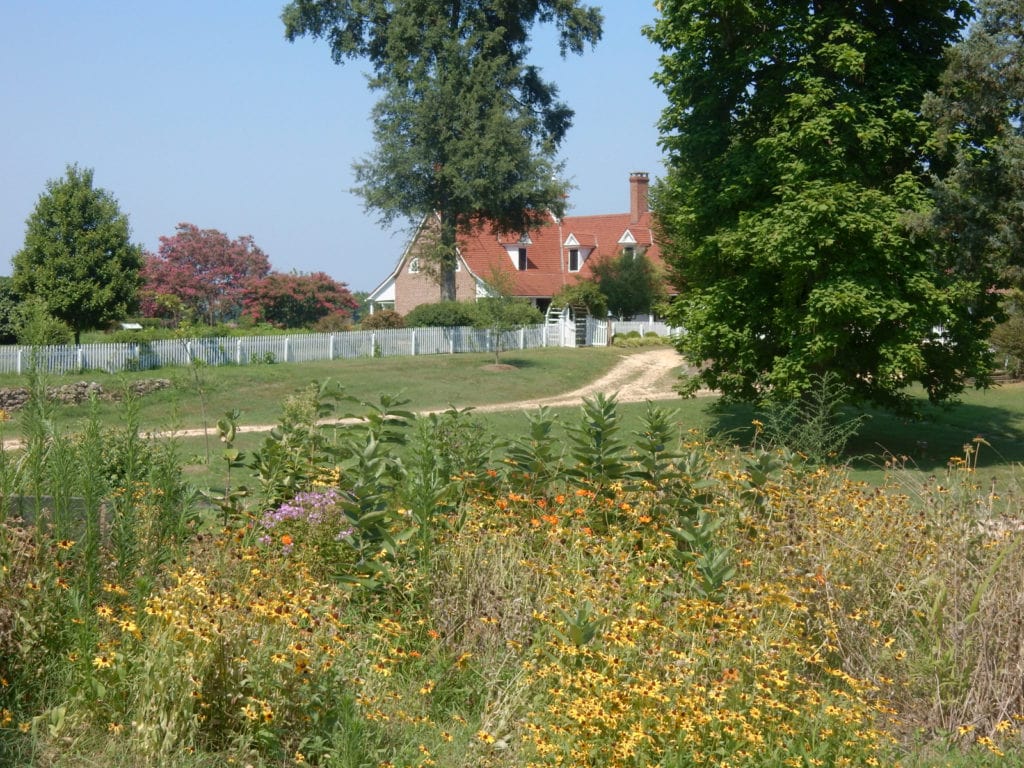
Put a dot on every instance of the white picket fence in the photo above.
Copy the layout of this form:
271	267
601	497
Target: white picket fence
643	328
297	348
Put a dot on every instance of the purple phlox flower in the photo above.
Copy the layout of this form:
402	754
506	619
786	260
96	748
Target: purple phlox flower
313	507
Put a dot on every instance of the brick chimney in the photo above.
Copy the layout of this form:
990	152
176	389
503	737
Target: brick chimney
638	188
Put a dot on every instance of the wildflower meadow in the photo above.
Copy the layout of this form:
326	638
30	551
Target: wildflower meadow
409	591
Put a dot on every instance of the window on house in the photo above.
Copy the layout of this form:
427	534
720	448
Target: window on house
522	259
629	251
574	259
414	266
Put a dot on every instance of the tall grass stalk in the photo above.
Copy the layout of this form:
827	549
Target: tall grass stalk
94	490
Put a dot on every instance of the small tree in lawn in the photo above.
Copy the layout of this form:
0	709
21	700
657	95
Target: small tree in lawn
78	260
501	312
296	300
206	270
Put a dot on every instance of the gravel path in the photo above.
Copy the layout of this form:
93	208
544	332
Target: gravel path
637	377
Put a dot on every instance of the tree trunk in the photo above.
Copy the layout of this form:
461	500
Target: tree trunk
446	263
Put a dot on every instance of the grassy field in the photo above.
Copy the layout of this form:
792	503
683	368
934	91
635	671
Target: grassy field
258	391
199	397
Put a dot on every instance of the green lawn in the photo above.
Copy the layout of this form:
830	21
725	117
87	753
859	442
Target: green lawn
922	446
258	391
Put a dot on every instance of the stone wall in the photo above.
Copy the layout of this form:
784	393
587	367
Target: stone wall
13	398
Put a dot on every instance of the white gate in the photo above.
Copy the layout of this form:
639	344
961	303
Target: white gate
560	327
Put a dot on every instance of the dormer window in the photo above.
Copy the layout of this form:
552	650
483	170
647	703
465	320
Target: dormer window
574	259
521	265
628	244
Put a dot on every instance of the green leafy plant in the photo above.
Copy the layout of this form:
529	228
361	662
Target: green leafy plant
230	501
597	449
698	547
534	461
813	425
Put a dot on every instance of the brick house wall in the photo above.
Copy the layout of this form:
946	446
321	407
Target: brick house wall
415	288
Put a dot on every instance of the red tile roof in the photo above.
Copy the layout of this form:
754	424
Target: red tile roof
547	255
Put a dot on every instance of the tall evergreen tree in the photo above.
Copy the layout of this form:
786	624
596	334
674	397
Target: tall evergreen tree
978	114
794	139
465	128
78	259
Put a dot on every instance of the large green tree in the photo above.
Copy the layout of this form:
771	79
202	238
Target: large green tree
632	283
795	138
466	129
78	258
978	113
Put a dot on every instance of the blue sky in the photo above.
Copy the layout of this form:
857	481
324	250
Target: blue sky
202	112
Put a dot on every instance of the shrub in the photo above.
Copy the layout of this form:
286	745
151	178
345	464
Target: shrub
1008	341
583	293
634	339
336	321
381	319
36	326
448	314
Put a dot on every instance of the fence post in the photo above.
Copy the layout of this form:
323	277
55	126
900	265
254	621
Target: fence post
413	340
19	361
330	348
238	351
373	344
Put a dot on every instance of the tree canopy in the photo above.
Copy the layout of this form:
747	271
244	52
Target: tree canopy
795	148
78	259
978	114
201	274
631	282
465	128
297	300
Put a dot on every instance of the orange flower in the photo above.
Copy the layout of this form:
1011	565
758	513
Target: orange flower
286	540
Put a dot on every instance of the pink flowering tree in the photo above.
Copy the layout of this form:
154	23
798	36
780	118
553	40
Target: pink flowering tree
200	274
297	300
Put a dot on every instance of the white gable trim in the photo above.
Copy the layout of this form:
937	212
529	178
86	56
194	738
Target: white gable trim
627	238
571	241
383	292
